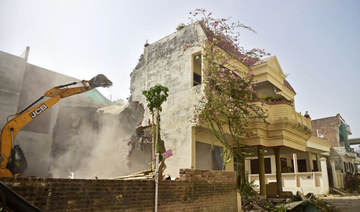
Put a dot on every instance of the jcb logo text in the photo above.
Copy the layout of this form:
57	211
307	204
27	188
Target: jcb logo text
38	110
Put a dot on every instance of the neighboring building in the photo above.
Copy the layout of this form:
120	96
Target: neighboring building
336	131
165	62
355	145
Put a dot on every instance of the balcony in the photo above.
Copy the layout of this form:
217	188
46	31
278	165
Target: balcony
287	127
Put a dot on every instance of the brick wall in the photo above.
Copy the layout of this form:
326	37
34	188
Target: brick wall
196	190
327	127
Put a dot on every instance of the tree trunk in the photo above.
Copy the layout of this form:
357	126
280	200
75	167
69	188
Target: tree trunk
153	140
157	129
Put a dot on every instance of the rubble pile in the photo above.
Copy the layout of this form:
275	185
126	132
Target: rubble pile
296	203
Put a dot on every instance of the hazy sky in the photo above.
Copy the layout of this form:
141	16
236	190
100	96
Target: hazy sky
317	42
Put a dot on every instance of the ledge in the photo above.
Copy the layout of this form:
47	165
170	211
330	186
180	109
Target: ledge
286	127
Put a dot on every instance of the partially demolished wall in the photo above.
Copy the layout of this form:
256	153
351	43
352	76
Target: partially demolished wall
78	137
20	84
96	143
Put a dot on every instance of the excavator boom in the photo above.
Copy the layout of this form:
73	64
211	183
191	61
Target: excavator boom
12	159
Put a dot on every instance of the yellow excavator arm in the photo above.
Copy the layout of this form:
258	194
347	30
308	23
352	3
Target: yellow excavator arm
10	163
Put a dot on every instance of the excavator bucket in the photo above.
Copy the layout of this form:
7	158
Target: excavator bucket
100	81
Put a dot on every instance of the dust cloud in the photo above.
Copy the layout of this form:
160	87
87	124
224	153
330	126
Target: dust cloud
89	144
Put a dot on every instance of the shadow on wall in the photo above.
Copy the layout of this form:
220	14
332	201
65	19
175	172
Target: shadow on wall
89	143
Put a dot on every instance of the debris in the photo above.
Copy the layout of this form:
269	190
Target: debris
292	205
340	192
167	177
100	80
298	202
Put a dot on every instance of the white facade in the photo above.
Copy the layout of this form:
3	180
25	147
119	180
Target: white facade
165	62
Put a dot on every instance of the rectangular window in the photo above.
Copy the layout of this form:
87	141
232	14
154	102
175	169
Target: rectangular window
315	166
301	165
255	166
196	62
284	167
197	79
208	156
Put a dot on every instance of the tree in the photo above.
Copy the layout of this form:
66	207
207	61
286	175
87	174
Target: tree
225	106
155	97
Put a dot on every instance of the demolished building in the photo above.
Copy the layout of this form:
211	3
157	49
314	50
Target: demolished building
78	137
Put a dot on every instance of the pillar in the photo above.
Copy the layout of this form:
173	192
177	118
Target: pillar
247	169
238	201
260	151
324	175
310	162
278	170
318	161
333	172
295	169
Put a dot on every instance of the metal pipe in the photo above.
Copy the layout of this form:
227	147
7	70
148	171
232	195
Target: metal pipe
156	181
61	86
29	106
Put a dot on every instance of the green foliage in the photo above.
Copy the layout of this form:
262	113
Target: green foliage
281	208
155	96
180	26
247	191
225	106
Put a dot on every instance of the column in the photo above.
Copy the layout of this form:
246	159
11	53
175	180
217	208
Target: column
260	151
278	170
324	175
318	161
310	163
247	169
238	201
295	169
333	172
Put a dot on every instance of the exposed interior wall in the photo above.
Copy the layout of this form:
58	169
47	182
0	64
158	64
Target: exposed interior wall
196	190
35	83
12	71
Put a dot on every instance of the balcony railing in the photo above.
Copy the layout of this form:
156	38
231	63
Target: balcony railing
283	113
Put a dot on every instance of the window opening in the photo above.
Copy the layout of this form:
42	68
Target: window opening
255	166
302	165
196	58
208	156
